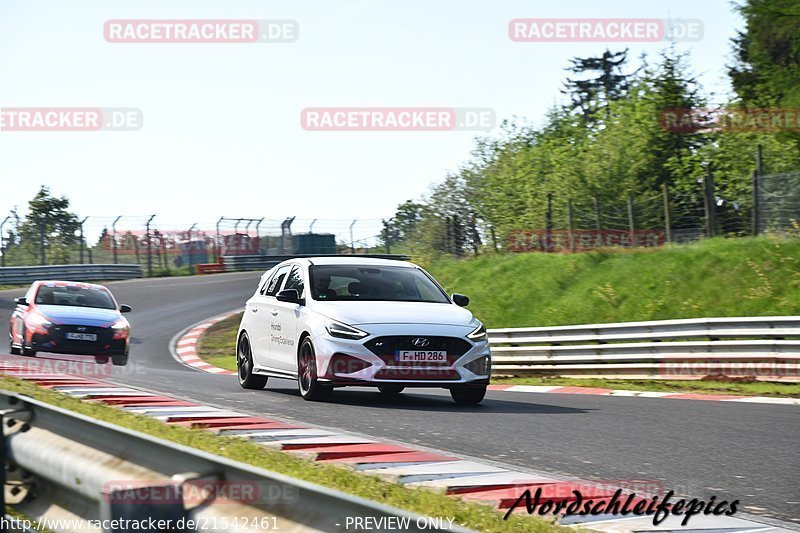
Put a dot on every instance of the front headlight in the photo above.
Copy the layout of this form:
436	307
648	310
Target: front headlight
477	334
120	324
343	331
39	320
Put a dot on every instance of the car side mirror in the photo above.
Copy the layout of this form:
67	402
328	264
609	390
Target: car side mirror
125	308
21	301
460	299
290	295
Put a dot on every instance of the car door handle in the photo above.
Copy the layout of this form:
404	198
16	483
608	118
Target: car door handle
274	312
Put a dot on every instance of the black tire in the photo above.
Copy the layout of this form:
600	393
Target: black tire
244	366
119	360
310	388
390	391
11	348
23	350
468	395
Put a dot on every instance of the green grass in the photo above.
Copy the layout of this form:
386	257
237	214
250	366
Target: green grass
711	278
757	388
218	345
476	516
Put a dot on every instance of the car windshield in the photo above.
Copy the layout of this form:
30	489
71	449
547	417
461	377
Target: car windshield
75	296
368	283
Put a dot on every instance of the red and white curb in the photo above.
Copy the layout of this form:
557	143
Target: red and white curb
543	389
470	480
185	348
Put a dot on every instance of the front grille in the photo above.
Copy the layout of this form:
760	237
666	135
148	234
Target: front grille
387	347
58	333
418	374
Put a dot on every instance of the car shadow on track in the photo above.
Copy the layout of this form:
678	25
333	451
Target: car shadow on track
414	401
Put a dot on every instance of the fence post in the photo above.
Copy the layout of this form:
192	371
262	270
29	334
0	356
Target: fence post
352	244
81	243
570	225
2	241
548	224
667	222
708	201
216	243
755	184
149	248
597	224
631	223
41	243
760	160
757	173
114	231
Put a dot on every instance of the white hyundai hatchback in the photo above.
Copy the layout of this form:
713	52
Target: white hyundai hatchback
355	321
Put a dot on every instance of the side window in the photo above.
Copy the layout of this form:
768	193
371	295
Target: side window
264	282
276	281
295	281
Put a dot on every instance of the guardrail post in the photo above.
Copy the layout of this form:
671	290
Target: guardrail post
4	422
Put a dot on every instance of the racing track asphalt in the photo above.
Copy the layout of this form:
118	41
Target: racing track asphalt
738	451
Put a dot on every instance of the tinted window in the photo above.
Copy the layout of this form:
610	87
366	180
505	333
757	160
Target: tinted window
384	283
277	280
295	281
75	296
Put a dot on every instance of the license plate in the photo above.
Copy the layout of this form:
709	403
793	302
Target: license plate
81	336
421	356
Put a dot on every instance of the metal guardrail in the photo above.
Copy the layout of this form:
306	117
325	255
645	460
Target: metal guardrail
68	465
236	263
743	346
28	274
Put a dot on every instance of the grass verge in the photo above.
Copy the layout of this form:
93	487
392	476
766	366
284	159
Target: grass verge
734	388
425	502
710	278
218	345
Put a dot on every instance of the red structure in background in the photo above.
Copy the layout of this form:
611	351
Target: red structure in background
581	240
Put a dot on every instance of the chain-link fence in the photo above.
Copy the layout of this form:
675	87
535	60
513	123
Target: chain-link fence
768	204
160	245
778	203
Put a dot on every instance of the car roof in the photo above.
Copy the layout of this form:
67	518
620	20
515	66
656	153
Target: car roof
354	260
62	283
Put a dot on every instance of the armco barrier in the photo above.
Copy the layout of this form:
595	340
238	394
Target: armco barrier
70	465
764	348
28	274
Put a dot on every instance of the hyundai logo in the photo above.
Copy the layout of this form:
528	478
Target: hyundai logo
419	342
81	328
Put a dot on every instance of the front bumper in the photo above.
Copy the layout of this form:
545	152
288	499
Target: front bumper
384	369
55	341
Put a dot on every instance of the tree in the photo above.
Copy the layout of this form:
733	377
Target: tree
766	72
592	94
49	228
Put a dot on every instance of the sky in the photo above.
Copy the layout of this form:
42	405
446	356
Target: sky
221	132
